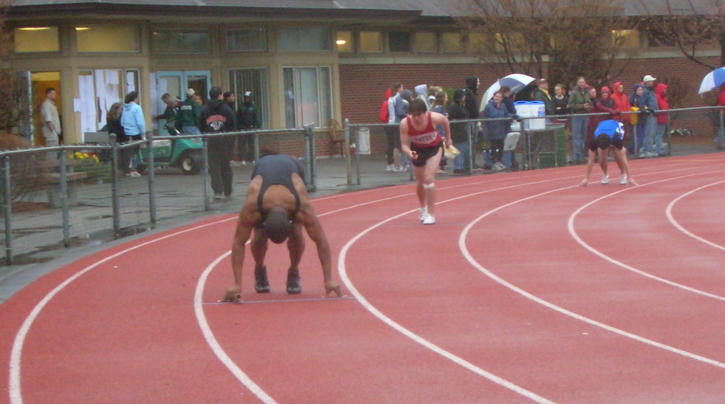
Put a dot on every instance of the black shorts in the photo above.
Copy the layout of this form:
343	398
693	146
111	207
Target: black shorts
616	142
425	153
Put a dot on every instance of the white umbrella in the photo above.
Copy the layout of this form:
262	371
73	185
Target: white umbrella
712	80
515	82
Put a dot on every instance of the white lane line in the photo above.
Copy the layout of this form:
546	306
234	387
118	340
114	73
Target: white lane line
575	235
16	354
464	249
14	379
671	218
342	270
212	341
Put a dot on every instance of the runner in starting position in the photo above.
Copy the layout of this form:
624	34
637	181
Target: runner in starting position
277	207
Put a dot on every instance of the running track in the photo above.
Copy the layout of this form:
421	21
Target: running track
527	289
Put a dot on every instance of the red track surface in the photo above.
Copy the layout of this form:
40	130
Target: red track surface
498	302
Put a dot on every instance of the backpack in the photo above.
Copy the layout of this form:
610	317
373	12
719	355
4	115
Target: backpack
215	123
384	114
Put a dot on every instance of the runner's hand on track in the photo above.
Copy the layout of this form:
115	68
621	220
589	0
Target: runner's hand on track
332	287
233	295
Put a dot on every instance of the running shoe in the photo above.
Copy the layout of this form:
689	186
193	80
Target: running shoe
389	168
623	179
261	284
605	179
423	213
429	219
293	282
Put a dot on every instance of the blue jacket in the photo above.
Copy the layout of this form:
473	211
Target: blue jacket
496	129
650	99
132	120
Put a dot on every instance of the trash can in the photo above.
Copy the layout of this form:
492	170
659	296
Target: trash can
363	140
560	135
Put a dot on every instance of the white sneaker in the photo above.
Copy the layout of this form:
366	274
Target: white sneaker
429	219
605	179
623	179
218	197
389	168
398	169
651	154
423	213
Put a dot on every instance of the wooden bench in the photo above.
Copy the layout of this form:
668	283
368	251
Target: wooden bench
51	176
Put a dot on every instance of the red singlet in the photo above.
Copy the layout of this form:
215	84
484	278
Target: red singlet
427	137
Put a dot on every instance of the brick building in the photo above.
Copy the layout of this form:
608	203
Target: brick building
306	61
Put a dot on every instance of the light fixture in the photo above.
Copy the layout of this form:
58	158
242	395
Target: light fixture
82	28
341	42
34	28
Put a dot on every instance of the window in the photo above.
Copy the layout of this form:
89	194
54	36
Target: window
343	41
304	39
107	38
626	38
36	39
451	42
510	42
478	42
254	80
426	42
307	96
399	41
184	42
371	42
247	40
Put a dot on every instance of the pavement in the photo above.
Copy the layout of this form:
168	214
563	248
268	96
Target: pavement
38	234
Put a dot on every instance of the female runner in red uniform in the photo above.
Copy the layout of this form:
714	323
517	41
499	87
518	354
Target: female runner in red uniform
420	140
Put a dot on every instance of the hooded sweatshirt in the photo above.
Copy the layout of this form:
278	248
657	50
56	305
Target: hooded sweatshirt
421	92
471	91
401	102
662	103
132	120
621	101
457	111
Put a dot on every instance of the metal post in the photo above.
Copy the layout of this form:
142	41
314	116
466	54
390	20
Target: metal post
636	144
205	171
256	146
152	180
310	157
348	158
357	157
7	211
469	132
114	187
64	197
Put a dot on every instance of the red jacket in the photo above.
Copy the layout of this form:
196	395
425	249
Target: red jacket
621	100
662	103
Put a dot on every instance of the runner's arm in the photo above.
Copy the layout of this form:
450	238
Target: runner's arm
405	141
240	239
440	119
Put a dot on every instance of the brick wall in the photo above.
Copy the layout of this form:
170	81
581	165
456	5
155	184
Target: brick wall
363	86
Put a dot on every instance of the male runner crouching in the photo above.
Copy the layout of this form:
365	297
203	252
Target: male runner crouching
609	134
277	207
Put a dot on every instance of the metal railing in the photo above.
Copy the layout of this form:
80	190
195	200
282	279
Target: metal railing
529	137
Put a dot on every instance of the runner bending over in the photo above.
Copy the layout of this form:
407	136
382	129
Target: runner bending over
608	135
277	207
420	140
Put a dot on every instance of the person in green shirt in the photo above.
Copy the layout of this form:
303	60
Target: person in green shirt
187	120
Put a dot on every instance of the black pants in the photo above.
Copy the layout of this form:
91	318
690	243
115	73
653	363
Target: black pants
219	168
126	156
246	147
393	137
496	150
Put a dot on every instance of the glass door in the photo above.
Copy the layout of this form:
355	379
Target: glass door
176	83
254	80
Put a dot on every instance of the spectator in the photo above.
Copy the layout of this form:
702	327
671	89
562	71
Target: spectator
170	114
231	100
248	119
438	104
51	120
421	92
198	100
217	117
134	127
471	93
720	139
113	123
560	100
401	112
541	93
189	114
662	118
604	104
621	101
392	133
650	120
459	131
497	129
579	103
637	104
